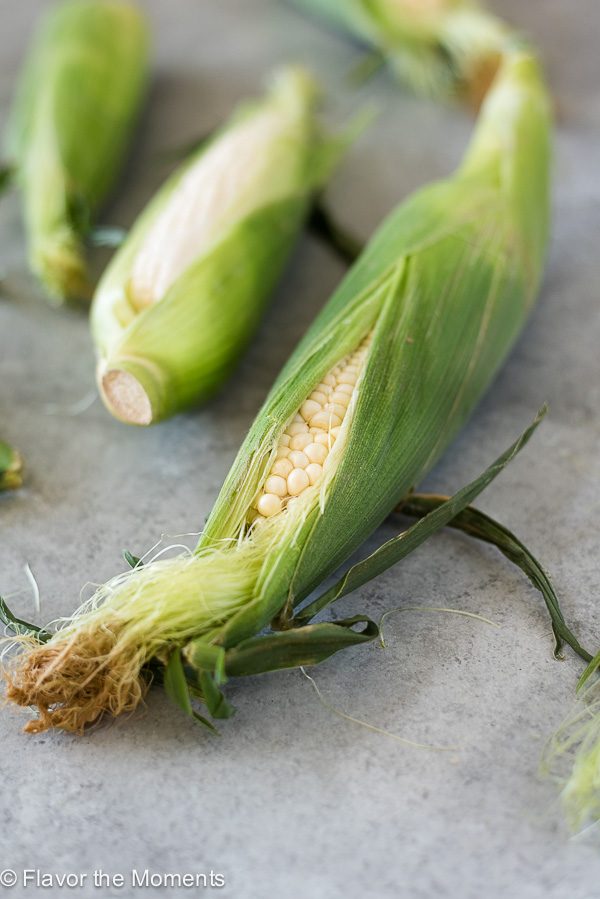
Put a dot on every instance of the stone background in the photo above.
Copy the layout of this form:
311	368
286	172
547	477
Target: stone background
293	801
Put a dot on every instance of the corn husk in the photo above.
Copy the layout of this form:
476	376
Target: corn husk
76	106
443	289
11	467
185	293
440	47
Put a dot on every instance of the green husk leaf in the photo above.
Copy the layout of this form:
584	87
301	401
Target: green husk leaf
177	690
213	698
22	628
591	668
132	561
399	547
480	526
298	646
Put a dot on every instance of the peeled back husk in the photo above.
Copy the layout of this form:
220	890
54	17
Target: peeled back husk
417	329
183	296
77	103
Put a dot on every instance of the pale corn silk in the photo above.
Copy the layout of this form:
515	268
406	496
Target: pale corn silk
228	182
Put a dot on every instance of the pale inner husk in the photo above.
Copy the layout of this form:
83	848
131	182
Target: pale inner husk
230	180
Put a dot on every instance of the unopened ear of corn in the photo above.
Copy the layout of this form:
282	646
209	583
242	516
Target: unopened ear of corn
184	294
382	381
77	103
440	47
11	467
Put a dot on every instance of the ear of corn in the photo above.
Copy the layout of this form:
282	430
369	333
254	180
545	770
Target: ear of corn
444	288
11	467
415	333
438	46
77	103
186	291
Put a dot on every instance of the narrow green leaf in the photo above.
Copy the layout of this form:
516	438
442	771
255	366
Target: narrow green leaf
399	547
132	561
479	525
20	627
298	646
177	690
593	666
214	699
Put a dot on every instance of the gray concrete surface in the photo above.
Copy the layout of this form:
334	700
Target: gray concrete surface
292	801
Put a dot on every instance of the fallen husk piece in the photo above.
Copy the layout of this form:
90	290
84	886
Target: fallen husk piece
374	393
11	467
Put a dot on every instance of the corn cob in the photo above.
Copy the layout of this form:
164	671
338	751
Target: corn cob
11	467
76	104
441	47
412	338
185	292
